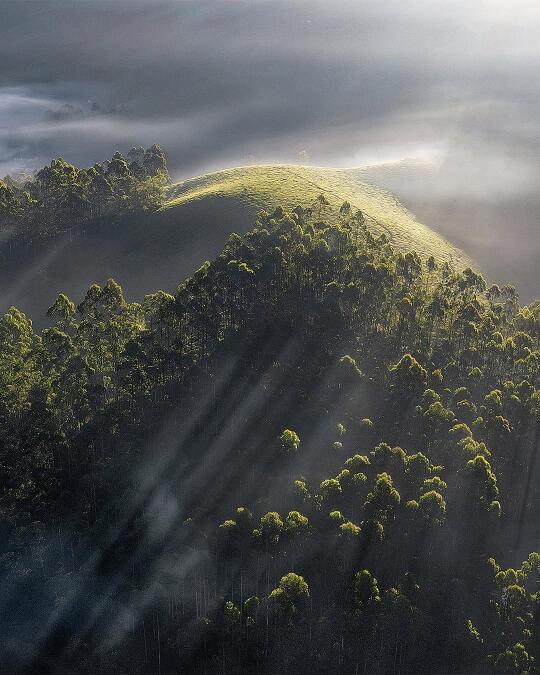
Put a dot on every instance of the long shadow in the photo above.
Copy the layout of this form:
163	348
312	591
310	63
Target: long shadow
143	253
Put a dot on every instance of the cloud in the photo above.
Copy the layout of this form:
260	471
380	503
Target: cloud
299	70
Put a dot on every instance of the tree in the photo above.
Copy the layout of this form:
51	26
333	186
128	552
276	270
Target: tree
289	441
288	596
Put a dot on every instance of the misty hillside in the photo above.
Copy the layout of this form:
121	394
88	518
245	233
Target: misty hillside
497	228
320	454
269	337
155	247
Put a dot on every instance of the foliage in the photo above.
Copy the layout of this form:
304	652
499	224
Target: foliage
62	196
131	430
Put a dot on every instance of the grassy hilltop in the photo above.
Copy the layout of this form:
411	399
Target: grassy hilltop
252	188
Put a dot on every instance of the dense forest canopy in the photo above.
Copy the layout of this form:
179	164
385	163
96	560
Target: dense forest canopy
62	196
318	455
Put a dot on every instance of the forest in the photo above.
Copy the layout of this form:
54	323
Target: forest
61	197
319	454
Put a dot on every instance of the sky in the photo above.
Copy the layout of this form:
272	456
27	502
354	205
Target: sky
450	85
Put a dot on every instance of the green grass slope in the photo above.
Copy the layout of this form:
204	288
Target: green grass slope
249	189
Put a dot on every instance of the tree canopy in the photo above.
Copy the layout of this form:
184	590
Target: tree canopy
317	455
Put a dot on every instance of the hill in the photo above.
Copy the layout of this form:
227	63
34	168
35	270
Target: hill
155	250
318	456
253	188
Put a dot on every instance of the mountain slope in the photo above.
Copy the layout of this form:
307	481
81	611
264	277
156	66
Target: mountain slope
316	457
257	187
157	250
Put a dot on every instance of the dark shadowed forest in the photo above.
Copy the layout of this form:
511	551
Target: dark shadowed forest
320	454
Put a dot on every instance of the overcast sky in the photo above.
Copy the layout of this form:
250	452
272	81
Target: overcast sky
223	82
